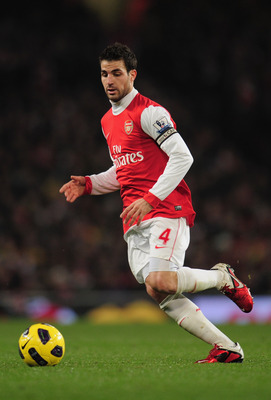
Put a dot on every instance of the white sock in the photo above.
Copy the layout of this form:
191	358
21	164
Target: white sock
189	316
192	280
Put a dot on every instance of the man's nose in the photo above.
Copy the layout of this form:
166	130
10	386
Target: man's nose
109	79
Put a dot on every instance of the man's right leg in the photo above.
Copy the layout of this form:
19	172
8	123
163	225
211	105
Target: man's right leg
189	316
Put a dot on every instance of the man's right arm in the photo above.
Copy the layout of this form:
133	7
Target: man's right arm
105	182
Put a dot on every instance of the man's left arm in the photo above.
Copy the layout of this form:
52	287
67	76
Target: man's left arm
179	162
157	123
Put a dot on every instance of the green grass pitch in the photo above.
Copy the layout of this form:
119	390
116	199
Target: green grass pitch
145	362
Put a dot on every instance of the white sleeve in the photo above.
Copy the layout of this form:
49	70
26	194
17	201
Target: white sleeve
156	122
105	182
179	162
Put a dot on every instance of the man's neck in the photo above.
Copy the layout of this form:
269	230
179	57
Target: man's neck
118	107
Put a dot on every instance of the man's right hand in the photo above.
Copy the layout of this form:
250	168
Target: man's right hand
74	188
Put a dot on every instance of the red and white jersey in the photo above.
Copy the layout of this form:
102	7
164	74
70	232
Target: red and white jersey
150	158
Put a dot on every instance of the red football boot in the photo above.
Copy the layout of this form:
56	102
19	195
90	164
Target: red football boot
218	354
233	288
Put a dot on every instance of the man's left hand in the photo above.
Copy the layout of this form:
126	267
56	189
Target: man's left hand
135	212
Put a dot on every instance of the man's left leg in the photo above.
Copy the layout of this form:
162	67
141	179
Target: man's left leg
191	280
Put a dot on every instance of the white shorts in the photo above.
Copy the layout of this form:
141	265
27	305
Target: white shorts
158	244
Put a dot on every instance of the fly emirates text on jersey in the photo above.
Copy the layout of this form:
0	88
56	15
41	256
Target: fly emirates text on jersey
128	158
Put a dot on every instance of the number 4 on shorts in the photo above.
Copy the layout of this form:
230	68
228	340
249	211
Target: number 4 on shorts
165	236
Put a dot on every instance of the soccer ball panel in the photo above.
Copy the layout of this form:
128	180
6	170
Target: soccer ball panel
41	345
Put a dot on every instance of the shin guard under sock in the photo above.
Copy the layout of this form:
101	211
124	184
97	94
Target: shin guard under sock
190	317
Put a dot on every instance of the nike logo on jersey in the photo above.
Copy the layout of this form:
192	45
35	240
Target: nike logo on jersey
160	247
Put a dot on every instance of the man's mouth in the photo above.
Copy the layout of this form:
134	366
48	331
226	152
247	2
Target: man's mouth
111	91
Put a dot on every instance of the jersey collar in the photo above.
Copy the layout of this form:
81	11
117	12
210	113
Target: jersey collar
120	106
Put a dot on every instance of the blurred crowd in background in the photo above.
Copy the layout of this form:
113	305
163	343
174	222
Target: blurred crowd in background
207	62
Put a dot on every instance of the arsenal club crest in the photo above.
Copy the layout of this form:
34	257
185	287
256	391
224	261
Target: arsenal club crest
128	126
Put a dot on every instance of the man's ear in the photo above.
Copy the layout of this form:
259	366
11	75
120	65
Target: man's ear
133	74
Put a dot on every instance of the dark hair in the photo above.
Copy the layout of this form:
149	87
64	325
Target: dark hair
118	51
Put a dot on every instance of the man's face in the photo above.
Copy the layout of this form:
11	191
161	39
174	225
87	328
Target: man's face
117	82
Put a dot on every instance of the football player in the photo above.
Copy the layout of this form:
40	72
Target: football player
150	160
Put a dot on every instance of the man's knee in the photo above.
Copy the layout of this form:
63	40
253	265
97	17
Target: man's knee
163	281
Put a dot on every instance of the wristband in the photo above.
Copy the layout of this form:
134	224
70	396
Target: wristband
152	199
88	186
